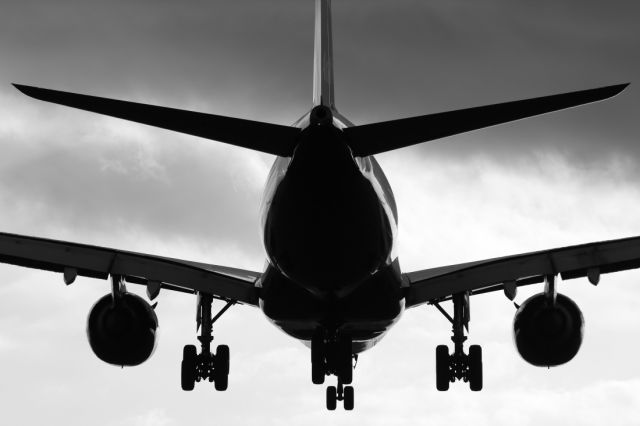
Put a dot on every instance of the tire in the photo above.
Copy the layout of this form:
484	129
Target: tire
188	381
332	398
188	368
221	382
222	359
475	368
189	352
221	368
348	398
442	368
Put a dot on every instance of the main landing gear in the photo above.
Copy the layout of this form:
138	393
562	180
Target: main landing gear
459	365
206	365
331	354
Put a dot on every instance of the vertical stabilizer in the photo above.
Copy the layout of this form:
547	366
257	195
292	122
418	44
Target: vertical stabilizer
323	56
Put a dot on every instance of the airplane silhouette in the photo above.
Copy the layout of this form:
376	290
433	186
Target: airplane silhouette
329	222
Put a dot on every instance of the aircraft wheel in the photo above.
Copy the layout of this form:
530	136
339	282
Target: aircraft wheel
442	368
222	359
348	398
221	382
475	368
221	368
332	398
188	367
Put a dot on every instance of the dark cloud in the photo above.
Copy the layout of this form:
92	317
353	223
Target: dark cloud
72	174
254	59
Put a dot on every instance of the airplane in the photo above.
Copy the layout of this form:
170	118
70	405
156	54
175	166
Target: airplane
329	221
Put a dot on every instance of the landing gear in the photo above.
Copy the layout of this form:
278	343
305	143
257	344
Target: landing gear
206	365
331	354
459	365
340	393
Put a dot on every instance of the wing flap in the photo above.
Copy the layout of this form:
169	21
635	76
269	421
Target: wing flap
99	262
265	137
375	138
489	275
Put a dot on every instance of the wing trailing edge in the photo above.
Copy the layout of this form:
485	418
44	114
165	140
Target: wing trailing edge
258	136
138	268
375	138
522	269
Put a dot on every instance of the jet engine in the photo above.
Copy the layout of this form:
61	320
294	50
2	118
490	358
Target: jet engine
122	330
547	334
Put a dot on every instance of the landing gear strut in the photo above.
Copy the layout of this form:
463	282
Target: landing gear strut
459	365
331	354
206	365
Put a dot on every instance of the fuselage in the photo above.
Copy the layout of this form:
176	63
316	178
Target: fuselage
329	223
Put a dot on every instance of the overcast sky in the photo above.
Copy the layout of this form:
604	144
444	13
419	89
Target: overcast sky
561	179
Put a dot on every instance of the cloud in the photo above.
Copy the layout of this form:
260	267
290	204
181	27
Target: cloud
153	417
449	212
561	179
109	177
540	202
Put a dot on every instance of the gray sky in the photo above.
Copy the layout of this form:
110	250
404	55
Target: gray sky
561	179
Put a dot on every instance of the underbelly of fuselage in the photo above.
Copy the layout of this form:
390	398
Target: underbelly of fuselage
365	314
329	231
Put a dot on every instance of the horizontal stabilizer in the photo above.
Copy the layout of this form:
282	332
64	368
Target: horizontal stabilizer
265	137
375	138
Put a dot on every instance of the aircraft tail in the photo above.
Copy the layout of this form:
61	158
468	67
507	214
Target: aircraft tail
323	57
364	140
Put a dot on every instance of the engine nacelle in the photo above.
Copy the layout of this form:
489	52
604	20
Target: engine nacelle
547	335
122	332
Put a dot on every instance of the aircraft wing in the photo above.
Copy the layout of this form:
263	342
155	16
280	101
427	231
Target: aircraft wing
99	262
489	275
